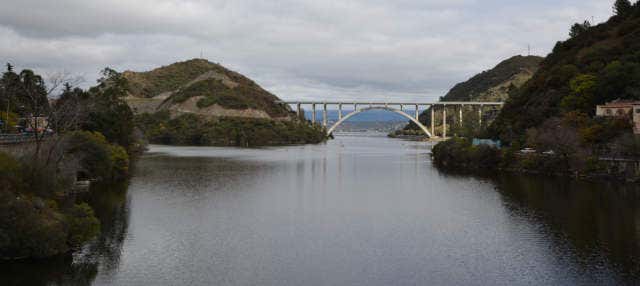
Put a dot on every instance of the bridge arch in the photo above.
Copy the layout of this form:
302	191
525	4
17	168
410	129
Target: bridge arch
398	111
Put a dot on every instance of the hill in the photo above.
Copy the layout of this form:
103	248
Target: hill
200	87
596	65
197	102
495	84
554	113
491	85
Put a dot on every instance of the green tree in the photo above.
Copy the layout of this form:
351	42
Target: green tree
110	114
622	7
577	29
582	97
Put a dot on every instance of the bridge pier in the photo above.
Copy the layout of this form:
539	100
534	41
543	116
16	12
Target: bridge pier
340	111
444	121
461	107
299	111
433	120
324	115
417	112
480	116
313	113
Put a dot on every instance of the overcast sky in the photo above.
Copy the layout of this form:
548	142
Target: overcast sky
319	49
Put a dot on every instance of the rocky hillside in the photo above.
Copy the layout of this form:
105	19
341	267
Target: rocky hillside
203	88
491	85
595	65
495	84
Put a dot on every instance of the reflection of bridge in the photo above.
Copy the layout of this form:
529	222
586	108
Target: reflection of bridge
399	108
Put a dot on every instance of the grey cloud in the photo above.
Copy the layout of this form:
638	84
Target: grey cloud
404	48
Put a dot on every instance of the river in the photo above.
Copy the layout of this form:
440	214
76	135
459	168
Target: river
359	210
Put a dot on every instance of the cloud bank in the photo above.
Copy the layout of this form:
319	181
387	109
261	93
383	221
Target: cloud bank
304	49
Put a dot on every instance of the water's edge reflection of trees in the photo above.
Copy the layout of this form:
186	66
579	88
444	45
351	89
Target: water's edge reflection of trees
598	219
111	206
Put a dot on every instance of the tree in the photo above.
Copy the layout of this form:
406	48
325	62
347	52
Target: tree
622	7
110	114
577	29
582	96
557	136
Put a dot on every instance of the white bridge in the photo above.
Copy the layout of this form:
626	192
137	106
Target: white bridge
399	108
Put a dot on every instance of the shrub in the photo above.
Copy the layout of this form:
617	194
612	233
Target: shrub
458	153
82	225
29	227
98	158
10	172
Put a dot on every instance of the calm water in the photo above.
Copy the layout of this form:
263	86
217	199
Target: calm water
356	211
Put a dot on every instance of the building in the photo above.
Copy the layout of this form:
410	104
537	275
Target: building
622	108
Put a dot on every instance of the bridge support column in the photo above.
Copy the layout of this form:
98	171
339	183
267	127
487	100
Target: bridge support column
313	113
461	107
299	111
340	111
417	112
444	121
433	120
324	115
480	116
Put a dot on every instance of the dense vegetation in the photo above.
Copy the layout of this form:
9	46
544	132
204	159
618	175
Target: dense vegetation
213	91
92	139
189	129
459	153
596	65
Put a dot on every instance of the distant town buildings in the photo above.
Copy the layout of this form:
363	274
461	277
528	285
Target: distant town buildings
622	108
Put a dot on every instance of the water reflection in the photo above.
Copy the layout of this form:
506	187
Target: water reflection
356	211
81	268
601	221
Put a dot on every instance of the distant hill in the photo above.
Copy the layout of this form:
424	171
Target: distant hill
491	85
495	84
203	88
596	65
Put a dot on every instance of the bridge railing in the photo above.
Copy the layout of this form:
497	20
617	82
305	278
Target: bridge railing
10	139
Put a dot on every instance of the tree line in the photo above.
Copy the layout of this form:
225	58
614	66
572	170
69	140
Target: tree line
77	134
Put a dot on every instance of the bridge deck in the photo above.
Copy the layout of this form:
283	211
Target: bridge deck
392	103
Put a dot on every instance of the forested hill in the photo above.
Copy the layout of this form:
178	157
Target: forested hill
198	86
595	65
494	84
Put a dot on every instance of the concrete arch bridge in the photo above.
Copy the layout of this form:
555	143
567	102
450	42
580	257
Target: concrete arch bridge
399	108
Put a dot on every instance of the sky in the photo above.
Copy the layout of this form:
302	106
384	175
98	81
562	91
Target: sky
402	50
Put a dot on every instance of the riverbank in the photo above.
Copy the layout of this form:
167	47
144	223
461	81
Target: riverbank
461	154
194	130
